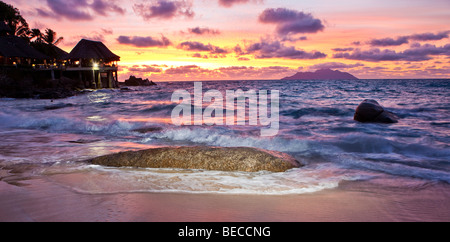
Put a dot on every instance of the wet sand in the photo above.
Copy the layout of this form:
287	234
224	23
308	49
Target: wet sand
41	199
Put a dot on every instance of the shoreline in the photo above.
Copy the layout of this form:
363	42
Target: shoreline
40	199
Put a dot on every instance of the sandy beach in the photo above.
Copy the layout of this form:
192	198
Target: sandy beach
41	199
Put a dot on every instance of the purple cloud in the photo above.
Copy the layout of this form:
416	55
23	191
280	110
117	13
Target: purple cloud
185	70
70	9
79	9
430	36
144	41
389	41
343	49
373	55
291	21
197	46
405	39
416	53
202	31
145	69
230	3
275	49
164	9
335	65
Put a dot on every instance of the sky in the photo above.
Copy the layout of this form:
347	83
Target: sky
189	40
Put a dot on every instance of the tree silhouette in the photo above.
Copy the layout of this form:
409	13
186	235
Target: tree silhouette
12	18
50	37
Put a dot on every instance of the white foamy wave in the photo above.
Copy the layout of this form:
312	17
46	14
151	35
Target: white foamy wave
102	180
61	124
226	138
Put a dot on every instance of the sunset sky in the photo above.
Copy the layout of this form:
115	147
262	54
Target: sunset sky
173	40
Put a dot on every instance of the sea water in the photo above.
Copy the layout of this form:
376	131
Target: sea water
52	139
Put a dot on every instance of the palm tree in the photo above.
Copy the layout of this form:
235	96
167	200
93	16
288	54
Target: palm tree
50	37
36	33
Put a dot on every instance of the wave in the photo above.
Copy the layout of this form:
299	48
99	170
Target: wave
354	151
66	125
222	136
104	180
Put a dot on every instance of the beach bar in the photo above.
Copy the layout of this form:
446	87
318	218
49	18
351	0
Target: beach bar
95	65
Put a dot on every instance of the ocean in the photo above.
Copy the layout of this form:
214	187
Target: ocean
44	139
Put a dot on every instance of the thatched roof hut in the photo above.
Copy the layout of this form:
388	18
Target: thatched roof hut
12	46
51	50
88	49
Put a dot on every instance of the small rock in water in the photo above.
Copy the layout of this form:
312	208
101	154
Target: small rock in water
371	111
202	157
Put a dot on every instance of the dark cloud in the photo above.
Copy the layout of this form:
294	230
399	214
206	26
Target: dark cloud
291	21
430	36
230	3
293	39
202	31
405	39
335	65
195	46
424	51
164	9
373	55
343	49
389	41
144	41
71	9
102	7
416	53
189	69
79	9
198	55
267	48
198	46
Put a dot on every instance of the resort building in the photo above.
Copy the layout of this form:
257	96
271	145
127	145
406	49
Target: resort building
95	65
16	52
90	62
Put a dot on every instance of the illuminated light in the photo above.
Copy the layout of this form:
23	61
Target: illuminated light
95	65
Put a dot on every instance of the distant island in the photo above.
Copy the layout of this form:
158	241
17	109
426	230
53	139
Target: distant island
322	74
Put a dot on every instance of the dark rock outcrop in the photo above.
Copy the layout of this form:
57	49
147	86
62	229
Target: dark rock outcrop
16	83
133	81
323	74
371	111
202	157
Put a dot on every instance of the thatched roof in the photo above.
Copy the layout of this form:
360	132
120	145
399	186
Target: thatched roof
88	49
12	46
51	50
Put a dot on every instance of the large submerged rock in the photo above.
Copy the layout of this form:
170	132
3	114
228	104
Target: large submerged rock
202	157
371	111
